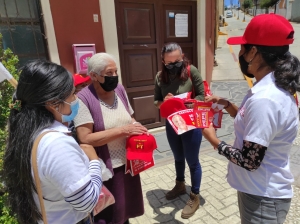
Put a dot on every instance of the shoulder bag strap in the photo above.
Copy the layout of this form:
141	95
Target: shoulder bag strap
36	174
190	76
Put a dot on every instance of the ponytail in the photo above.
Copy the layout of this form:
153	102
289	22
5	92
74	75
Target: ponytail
285	65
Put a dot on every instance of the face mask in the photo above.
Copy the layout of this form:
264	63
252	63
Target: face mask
74	105
244	66
110	83
174	68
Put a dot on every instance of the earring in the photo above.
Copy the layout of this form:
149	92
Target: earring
56	108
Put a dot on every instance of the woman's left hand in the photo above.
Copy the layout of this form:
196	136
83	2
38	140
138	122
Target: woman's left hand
210	135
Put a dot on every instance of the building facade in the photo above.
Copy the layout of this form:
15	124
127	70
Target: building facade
133	31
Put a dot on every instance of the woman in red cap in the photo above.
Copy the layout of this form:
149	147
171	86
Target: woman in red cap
176	77
266	122
80	81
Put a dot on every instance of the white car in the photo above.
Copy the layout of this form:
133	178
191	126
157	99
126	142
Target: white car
229	14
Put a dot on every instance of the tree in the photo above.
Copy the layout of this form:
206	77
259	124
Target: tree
247	4
10	61
268	3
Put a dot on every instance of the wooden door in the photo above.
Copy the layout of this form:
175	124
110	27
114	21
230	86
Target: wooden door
143	27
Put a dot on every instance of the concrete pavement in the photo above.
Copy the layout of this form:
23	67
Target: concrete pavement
218	200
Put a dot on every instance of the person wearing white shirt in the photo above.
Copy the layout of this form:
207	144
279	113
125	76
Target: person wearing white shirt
266	122
70	174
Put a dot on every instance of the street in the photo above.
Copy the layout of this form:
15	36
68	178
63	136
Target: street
225	54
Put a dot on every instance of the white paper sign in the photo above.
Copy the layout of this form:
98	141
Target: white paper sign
181	25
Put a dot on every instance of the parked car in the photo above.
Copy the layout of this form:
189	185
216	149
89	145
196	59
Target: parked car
229	14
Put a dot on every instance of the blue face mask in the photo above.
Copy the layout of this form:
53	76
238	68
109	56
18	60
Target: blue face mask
74	111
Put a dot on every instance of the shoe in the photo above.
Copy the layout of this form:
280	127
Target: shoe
191	206
179	189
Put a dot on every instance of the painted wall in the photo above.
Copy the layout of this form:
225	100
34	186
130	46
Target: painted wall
74	24
210	37
295	16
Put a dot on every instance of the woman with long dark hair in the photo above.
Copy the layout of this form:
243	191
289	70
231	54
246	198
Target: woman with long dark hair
266	122
70	177
178	76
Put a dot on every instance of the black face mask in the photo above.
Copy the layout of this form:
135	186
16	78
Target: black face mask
174	68
110	83
244	66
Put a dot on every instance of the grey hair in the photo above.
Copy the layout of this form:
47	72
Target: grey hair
98	62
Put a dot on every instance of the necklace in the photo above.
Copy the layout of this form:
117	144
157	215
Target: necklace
108	106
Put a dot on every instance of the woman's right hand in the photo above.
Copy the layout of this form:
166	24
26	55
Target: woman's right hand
212	98
134	129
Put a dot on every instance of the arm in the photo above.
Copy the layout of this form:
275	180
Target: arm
84	129
256	138
249	157
86	198
158	97
197	83
78	180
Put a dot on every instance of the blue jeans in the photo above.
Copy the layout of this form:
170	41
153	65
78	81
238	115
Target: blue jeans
186	147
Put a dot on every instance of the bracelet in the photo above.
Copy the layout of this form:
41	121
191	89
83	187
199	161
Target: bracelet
228	105
136	122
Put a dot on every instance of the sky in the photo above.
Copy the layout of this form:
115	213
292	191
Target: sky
227	2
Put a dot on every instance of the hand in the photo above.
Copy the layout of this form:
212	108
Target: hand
212	98
210	134
134	129
89	151
168	96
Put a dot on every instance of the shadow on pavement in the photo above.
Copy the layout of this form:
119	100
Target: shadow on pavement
165	210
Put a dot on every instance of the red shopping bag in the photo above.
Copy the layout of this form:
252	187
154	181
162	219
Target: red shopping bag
105	199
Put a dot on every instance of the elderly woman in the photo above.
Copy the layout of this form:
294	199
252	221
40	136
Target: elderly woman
266	122
105	121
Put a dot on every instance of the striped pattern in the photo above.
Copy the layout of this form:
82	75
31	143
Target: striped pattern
86	198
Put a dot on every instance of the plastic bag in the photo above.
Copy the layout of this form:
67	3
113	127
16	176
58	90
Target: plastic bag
105	198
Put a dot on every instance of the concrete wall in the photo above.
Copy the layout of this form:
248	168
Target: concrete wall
295	15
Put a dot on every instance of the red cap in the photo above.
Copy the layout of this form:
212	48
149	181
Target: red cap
171	106
79	79
267	30
140	147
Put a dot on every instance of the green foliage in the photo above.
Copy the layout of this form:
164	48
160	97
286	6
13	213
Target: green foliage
247	4
268	3
10	61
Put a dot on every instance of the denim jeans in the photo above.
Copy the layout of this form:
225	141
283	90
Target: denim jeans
186	147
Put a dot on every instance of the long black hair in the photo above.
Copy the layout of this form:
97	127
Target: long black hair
167	48
286	66
39	82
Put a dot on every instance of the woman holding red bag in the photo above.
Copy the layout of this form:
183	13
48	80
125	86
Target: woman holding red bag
177	76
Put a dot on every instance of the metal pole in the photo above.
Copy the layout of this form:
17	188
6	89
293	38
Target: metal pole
244	20
238	11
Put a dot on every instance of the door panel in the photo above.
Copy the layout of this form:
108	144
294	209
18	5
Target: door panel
143	28
138	21
141	66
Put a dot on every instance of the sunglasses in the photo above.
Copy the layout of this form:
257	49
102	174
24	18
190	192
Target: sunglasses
171	65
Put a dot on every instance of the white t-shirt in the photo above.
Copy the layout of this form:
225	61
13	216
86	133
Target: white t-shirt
267	116
63	169
112	117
